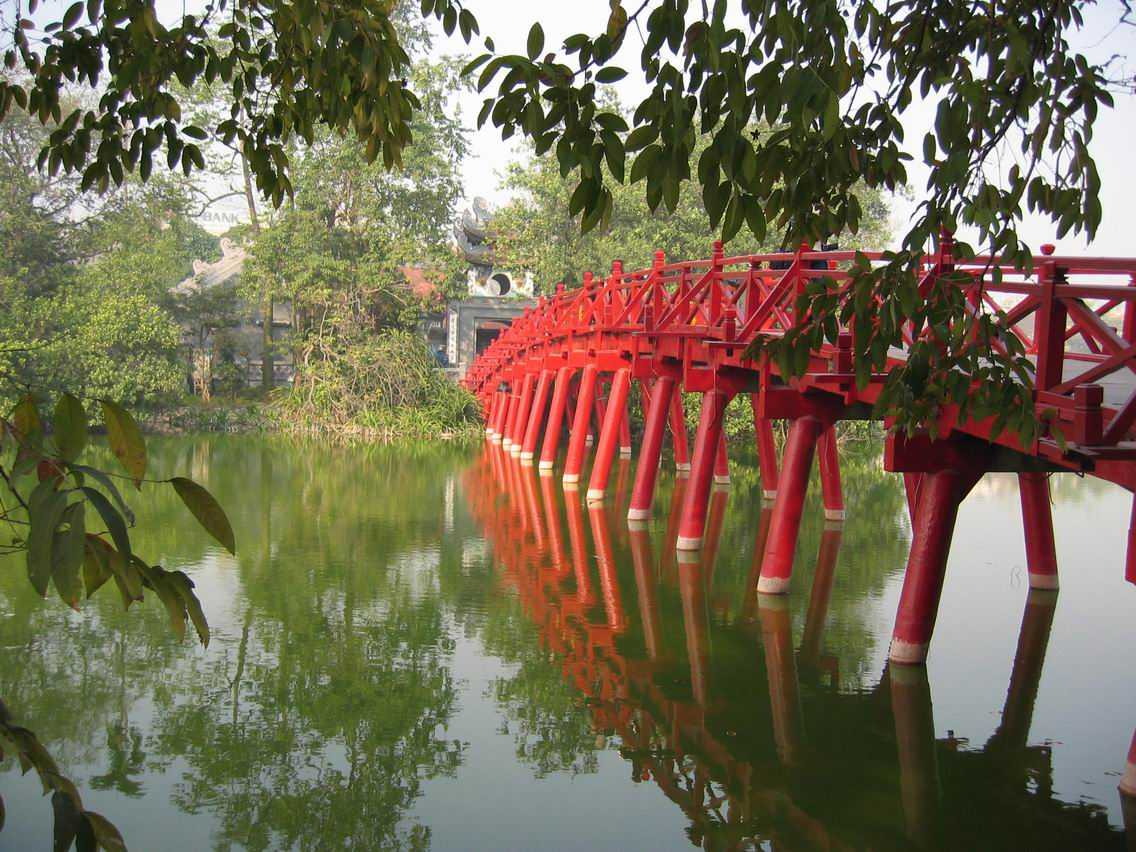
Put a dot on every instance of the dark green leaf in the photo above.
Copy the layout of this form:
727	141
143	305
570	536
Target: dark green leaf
70	427
207	511
125	440
115	524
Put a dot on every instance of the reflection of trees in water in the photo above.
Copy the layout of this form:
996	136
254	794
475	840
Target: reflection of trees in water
314	719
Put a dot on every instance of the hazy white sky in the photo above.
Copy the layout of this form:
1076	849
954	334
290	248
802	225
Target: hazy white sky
1114	144
508	22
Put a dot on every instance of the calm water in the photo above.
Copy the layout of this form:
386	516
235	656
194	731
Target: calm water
436	649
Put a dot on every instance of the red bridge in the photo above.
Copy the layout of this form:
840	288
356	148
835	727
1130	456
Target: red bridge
685	327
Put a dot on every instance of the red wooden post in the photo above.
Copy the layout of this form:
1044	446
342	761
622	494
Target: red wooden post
940	494
625	432
536	416
911	482
785	526
1128	779
722	462
1130	560
511	416
1049	331
643	493
702	470
831	492
605	452
490	413
1037	518
522	418
766	450
555	418
678	433
502	416
575	461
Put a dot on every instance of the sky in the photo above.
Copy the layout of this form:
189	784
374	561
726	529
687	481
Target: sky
508	22
1113	146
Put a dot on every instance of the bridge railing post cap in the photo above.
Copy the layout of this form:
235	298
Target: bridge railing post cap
1048	249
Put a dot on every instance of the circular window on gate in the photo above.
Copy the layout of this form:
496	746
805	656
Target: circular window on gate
502	282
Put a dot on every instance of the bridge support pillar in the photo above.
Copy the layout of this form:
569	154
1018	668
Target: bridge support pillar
702	470
785	526
643	492
490	415
766	450
1037	518
722	461
510	418
940	493
817	613
625	431
536	417
615	412
555	419
579	432
831	491
678	434
500	414
522	420
1128	785
915	741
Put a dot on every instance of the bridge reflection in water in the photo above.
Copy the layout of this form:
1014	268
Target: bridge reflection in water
756	739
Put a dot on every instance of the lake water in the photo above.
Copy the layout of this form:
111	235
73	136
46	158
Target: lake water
434	648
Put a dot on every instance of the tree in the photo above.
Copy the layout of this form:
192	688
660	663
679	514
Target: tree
536	231
70	522
831	81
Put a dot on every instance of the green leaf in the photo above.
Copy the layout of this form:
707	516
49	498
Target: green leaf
535	42
184	587
125	440
67	555
207	511
611	74
45	511
26	422
96	566
108	485
105	832
70	424
115	524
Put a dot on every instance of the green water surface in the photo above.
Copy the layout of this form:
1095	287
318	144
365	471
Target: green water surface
437	648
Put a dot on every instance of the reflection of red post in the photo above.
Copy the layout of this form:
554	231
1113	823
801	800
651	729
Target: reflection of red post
915	741
692	589
702	470
605	452
750	601
528	483
766	450
1033	638
793	485
555	418
575	461
1037	518
940	493
552	519
829	460
781	669
536	416
678	433
820	596
643	558
579	549
717	515
601	535
646	474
